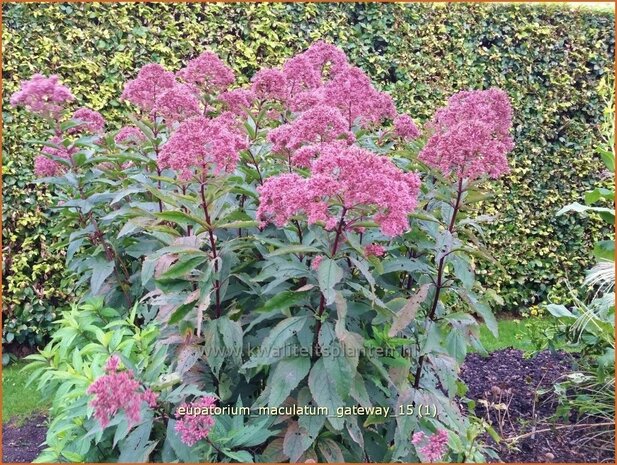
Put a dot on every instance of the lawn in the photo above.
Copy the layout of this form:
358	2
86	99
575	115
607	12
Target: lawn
515	333
18	400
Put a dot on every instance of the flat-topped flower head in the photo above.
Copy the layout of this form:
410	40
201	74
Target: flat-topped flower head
195	423
118	390
130	135
352	92
280	198
151	81
405	128
92	122
45	166
237	101
311	69
471	135
209	72
319	124
203	145
269	84
43	96
374	250
177	104
431	448
322	54
365	184
360	182
301	75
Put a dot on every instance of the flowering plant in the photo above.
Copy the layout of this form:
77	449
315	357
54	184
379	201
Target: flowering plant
298	242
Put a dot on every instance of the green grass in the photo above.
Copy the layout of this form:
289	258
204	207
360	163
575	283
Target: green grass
512	333
19	401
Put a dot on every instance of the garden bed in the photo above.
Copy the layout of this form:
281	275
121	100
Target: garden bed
22	441
506	372
523	385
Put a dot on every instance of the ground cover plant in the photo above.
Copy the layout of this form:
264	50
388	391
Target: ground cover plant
292	245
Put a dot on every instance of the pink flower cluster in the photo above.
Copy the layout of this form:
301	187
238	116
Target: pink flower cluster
118	390
91	122
44	96
207	71
178	103
151	81
195	424
471	135
318	125
130	135
269	84
238	100
374	250
316	262
203	143
156	92
433	447
322	76
359	181
45	166
405	128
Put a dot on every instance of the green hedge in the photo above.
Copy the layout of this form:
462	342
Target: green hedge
550	60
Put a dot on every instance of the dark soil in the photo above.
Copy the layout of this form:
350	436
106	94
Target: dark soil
22	442
511	391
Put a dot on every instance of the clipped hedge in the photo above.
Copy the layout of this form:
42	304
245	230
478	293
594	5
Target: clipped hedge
550	59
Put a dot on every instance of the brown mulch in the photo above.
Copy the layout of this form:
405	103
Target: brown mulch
506	377
23	442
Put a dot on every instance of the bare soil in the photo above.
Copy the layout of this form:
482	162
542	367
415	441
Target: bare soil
514	393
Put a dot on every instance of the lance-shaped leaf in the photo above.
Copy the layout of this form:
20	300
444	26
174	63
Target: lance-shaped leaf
406	314
286	377
329	275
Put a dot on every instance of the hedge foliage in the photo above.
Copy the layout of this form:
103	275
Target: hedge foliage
550	59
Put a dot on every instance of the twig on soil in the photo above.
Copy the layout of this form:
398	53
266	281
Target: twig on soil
585	425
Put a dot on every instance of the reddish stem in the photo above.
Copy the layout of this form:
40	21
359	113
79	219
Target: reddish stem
217	283
439	283
322	300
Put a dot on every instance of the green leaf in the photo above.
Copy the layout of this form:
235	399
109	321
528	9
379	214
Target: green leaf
183	266
329	275
285	378
608	157
463	271
578	208
293	249
604	250
275	341
283	301
295	442
324	390
312	424
101	270
559	311
180	217
136	447
238	225
180	312
330	451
